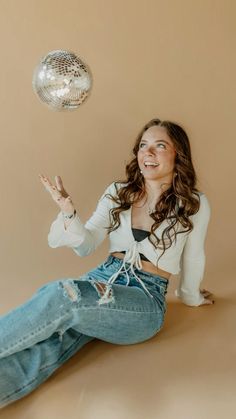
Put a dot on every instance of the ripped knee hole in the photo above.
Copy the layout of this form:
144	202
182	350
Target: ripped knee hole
71	290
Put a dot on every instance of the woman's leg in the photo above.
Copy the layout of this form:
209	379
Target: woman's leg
127	316
37	337
51	309
24	371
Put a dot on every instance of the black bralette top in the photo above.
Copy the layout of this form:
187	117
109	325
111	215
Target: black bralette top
140	235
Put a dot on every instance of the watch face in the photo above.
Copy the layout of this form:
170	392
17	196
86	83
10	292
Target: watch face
68	216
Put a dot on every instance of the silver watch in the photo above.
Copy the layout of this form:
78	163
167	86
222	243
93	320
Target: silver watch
68	216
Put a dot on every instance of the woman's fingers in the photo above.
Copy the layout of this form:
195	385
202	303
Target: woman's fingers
45	180
60	196
207	301
60	186
206	293
50	187
207	296
59	183
47	183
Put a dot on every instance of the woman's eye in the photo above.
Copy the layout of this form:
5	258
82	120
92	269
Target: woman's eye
143	144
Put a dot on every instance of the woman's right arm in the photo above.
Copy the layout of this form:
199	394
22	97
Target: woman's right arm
193	258
83	238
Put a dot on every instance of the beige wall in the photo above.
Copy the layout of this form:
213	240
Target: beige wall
168	59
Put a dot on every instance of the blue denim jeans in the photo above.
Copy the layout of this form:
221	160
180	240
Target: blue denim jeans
37	337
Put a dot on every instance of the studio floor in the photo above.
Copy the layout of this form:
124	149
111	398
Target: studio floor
187	371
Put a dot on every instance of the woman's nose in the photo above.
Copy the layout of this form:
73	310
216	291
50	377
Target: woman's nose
151	149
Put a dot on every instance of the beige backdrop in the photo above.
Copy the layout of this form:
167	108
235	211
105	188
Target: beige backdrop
173	60
149	58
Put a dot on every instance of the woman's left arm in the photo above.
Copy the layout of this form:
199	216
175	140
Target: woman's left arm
193	259
83	238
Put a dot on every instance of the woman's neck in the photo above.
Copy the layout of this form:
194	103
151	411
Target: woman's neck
154	189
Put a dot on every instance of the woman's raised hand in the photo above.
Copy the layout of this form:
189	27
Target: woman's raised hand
58	194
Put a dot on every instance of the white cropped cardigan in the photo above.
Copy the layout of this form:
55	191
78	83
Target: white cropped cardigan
186	256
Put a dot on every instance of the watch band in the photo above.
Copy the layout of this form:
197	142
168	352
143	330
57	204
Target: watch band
68	216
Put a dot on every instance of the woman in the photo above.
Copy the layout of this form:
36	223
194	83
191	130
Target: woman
156	221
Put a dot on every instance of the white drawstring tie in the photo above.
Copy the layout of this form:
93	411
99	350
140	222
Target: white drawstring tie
132	257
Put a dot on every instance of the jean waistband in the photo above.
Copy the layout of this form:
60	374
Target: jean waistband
150	279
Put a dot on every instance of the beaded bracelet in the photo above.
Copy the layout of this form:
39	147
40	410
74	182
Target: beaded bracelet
68	216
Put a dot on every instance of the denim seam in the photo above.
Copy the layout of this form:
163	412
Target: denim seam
119	308
40	329
42	369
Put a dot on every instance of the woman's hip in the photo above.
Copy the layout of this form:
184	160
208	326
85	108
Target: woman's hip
156	285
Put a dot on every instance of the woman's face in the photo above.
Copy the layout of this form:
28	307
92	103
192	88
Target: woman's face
156	154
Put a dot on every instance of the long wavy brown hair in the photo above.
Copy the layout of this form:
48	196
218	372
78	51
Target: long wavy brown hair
176	204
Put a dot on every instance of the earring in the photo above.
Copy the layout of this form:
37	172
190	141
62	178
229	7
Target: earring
141	171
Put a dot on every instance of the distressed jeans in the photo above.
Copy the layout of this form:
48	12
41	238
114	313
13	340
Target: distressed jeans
38	337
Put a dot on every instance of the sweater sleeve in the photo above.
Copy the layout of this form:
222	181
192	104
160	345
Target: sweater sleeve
192	263
83	239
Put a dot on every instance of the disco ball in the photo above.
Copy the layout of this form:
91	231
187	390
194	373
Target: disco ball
62	80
